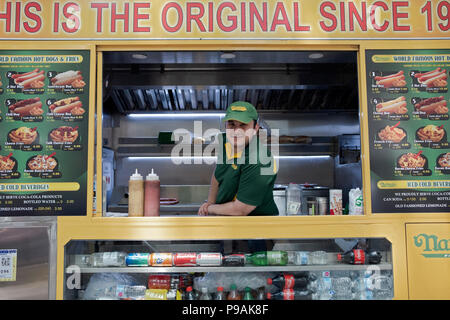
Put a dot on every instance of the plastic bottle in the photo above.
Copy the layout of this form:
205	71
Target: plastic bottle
126	292
108	259
289	281
219	294
293	199
261	293
205	294
248	294
151	195
233	294
190	295
290	294
268	258
358	256
136	195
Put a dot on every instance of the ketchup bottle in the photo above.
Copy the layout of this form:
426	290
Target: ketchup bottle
151	195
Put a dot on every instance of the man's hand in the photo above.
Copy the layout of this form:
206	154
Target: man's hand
203	210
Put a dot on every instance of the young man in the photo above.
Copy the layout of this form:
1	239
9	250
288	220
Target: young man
242	183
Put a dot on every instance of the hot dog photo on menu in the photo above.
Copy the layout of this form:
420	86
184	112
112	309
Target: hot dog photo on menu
68	78
433	105
72	105
391	80
33	79
436	78
393	106
27	107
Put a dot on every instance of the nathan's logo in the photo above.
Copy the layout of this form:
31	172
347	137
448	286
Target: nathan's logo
432	246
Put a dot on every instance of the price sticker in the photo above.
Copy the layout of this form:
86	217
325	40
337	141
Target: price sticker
8	264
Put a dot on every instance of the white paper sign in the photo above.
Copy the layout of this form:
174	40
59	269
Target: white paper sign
8	264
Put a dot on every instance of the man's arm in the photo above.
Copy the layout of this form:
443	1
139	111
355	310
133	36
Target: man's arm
212	196
232	208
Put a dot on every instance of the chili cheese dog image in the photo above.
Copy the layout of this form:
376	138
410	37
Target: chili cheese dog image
73	78
71	105
31	79
27	107
393	80
396	106
434	105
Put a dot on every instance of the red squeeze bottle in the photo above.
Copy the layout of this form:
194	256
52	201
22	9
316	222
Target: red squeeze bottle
151	195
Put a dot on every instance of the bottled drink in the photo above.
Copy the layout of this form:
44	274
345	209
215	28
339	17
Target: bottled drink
291	294
234	260
261	293
358	256
190	295
219	294
159	281
205	294
151	194
233	294
293	199
108	259
268	258
125	292
209	259
248	294
289	281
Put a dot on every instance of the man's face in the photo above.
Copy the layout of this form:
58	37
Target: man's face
239	134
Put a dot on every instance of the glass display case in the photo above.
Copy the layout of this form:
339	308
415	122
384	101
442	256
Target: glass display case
251	269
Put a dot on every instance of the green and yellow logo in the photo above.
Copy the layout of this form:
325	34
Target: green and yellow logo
432	246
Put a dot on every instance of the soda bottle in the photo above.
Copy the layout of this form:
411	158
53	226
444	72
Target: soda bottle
291	294
190	295
205	294
248	294
289	281
358	256
233	294
219	294
261	293
268	258
234	260
108	259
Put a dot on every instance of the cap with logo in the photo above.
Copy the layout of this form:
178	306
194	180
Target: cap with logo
241	111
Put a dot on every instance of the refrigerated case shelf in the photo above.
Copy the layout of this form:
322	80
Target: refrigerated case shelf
328	267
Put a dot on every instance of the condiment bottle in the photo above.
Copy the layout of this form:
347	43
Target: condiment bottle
151	196
136	195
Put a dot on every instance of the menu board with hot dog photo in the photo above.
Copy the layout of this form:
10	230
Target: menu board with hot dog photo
407	99
44	133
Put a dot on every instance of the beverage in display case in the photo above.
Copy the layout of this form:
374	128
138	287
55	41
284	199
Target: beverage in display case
146	270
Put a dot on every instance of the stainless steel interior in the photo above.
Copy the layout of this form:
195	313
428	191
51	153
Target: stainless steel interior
293	94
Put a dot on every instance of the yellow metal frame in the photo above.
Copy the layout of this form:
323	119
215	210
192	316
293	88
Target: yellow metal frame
390	226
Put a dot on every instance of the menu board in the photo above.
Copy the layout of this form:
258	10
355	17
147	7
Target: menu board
44	107
408	117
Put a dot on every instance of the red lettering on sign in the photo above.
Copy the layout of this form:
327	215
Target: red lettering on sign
329	16
7	17
68	12
243	17
297	26
232	19
123	16
18	17
360	18
254	13
373	21
284	19
396	16
167	7
194	17
32	16
99	20
137	16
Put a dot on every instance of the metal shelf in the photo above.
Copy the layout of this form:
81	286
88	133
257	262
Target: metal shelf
289	268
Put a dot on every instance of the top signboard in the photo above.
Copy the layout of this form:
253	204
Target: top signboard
228	20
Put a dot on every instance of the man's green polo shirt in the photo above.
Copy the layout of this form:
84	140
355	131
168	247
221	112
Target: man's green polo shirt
250	181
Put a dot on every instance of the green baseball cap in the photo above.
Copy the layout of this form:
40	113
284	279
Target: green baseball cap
241	111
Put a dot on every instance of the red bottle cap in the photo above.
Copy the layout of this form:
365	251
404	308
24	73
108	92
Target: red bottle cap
269	281
269	295
339	257
189	289
219	288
